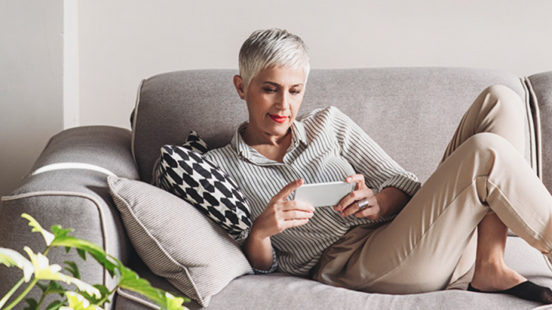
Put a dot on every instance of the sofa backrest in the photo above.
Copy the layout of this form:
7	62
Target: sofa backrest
411	112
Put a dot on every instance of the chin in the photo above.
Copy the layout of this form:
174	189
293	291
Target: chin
279	129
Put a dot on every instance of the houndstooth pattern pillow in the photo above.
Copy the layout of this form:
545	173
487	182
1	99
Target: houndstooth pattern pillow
195	143
203	184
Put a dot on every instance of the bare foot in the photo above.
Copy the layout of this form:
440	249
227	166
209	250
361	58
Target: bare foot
495	277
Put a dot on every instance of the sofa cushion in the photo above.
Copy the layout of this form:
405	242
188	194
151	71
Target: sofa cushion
176	241
265	291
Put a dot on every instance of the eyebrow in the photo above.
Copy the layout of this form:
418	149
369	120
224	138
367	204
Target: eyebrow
278	85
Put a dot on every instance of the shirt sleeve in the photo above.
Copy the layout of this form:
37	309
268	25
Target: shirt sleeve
368	158
272	268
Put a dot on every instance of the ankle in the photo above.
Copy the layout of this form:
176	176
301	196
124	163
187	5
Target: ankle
495	276
490	266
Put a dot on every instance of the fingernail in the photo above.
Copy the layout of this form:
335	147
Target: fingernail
349	179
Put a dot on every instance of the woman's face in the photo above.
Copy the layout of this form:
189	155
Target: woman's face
273	100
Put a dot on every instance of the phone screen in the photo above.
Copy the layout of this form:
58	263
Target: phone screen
323	194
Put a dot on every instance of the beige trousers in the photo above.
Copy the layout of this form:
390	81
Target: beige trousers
426	247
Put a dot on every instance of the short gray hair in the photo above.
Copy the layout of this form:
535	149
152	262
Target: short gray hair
272	47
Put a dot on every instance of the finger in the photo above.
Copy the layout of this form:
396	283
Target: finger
291	215
351	199
356	178
369	212
351	209
295	223
288	189
297	205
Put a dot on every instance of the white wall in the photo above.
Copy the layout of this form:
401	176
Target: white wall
122	42
31	85
70	62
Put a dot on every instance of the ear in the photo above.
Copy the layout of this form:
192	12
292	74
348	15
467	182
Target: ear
240	87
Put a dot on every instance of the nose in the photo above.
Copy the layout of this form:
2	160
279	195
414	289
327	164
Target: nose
284	100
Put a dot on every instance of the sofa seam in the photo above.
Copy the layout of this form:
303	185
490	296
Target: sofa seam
71	165
534	106
133	135
71	194
530	126
136	299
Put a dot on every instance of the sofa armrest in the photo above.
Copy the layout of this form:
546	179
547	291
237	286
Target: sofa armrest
540	87
67	186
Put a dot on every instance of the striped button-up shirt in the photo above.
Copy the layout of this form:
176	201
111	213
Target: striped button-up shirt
327	146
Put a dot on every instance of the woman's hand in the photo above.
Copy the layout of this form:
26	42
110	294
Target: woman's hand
389	201
280	214
349	204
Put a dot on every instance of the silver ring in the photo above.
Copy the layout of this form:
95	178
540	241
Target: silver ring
363	204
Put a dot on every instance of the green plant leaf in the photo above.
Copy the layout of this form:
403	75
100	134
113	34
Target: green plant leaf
87	297
84	247
104	291
60	232
59	237
55	305
11	258
45	271
78	302
32	304
173	302
82	254
131	281
48	237
54	288
73	269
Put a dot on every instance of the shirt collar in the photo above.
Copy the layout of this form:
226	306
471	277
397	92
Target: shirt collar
298	136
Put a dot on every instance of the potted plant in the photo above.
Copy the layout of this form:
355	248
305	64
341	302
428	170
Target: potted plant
49	278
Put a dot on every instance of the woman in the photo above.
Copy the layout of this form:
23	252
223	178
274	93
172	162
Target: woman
384	235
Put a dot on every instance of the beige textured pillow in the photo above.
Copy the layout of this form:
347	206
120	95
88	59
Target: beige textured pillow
176	241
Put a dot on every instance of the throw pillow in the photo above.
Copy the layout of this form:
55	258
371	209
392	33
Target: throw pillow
195	143
202	183
176	241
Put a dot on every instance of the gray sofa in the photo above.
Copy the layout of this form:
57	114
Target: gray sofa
410	112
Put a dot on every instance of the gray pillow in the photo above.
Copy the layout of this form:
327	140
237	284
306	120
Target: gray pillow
176	241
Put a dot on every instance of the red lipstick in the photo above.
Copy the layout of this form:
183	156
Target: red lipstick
278	118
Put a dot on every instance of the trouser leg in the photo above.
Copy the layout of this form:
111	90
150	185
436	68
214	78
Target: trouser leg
420	249
498	110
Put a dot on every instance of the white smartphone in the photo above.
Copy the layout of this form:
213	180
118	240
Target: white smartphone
323	194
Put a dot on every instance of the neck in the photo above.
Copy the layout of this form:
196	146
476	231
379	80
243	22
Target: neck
271	147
